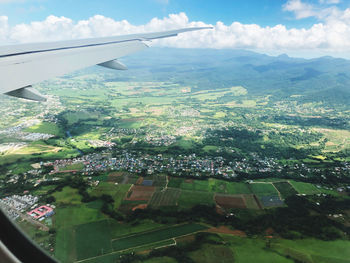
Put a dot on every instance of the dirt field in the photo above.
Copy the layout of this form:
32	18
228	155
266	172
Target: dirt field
139	181
141	206
226	230
140	193
115	177
230	201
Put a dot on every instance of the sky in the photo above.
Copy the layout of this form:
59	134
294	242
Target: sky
303	28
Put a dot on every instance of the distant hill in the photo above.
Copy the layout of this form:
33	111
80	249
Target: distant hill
321	79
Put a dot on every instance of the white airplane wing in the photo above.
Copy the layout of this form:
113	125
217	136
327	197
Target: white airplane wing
27	64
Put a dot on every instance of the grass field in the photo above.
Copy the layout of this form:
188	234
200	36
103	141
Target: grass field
263	189
248	250
74	166
65	244
76	215
155	236
285	188
220	186
118	192
175	182
213	253
68	196
195	185
304	188
250	201
316	251
189	199
46	127
93	239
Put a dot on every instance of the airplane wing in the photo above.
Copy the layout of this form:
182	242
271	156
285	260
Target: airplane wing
24	65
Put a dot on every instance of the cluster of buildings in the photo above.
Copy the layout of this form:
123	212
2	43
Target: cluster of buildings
161	140
16	204
137	163
18	133
41	212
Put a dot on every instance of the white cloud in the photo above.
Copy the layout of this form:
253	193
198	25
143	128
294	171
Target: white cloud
300	9
330	2
332	35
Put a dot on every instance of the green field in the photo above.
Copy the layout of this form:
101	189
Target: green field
93	239
213	253
263	189
74	166
304	188
189	199
67	196
315	251
285	189
118	192
220	186
195	185
175	182
46	127
155	236
169	197
248	250
78	214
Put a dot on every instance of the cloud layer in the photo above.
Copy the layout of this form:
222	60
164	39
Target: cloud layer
331	34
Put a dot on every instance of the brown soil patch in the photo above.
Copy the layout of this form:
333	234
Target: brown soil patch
190	181
115	174
227	201
226	230
115	177
219	210
139	181
141	206
140	193
189	238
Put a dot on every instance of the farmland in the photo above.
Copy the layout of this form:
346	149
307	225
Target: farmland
229	201
169	197
285	188
263	189
129	155
154	236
